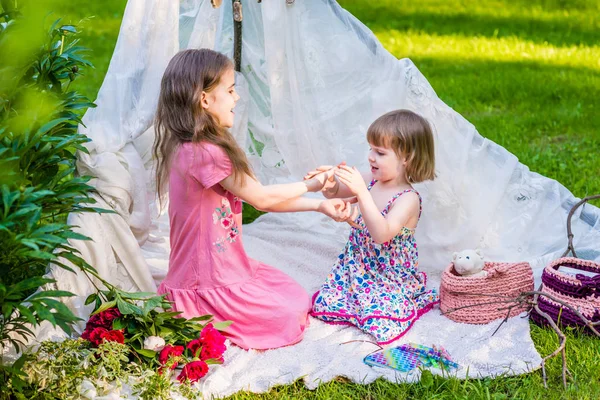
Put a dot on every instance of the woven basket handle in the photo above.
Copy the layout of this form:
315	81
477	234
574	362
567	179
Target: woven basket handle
569	231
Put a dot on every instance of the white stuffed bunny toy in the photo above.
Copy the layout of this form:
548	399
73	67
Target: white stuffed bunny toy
469	263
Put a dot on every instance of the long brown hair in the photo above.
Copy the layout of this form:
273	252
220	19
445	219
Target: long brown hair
180	117
410	136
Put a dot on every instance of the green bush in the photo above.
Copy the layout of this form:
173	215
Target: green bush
39	118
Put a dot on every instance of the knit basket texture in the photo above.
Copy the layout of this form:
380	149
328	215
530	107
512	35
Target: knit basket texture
580	291
480	300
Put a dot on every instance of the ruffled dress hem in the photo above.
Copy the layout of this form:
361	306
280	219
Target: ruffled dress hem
420	312
262	315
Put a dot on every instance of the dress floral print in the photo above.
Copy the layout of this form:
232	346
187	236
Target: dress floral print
376	287
224	217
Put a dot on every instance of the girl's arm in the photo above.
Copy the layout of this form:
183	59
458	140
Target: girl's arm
382	229
265	197
295	205
337	209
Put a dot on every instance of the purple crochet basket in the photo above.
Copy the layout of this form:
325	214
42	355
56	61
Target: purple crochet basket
579	291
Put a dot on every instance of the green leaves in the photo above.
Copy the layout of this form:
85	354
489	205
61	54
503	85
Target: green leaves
105	306
426	378
18	314
128	308
222	325
151	304
57	370
39	187
146	353
39	118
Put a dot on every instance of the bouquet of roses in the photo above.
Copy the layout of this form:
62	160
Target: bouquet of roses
207	349
99	328
156	335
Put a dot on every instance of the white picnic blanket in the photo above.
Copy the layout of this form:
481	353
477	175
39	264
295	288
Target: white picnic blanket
305	247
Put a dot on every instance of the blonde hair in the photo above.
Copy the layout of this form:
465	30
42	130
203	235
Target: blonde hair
410	136
180	118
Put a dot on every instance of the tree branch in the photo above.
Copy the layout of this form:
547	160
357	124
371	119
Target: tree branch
530	299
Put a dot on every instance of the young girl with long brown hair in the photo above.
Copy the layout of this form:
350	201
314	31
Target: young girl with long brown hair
208	175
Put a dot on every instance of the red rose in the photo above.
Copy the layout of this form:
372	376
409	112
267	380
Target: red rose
210	344
113	336
194	346
110	314
96	321
86	334
210	335
95	336
103	319
193	371
170	351
212	351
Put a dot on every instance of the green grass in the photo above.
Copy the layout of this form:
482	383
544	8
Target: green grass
526	74
98	23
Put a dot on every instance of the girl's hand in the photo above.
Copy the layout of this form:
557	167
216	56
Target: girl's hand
330	184
354	213
322	181
322	168
333	208
352	179
317	171
339	210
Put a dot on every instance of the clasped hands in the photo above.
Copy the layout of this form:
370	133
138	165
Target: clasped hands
340	210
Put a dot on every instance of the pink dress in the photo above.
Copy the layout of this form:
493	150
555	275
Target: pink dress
209	271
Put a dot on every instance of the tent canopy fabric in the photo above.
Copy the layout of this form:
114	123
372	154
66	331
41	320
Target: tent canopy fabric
312	80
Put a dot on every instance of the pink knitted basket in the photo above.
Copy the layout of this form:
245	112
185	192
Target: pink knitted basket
504	279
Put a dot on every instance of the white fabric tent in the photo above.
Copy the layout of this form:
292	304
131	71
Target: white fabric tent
313	78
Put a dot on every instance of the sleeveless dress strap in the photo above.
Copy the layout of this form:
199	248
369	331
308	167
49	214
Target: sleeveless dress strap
393	199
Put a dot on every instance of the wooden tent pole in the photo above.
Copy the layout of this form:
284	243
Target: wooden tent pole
237	34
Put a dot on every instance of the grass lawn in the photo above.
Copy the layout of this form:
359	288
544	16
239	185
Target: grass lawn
525	73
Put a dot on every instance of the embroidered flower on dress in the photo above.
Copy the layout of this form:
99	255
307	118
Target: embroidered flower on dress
220	245
233	233
226	223
225	217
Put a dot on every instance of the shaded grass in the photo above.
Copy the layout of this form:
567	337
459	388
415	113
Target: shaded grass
526	74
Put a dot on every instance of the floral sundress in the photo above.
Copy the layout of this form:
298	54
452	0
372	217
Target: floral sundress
376	287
